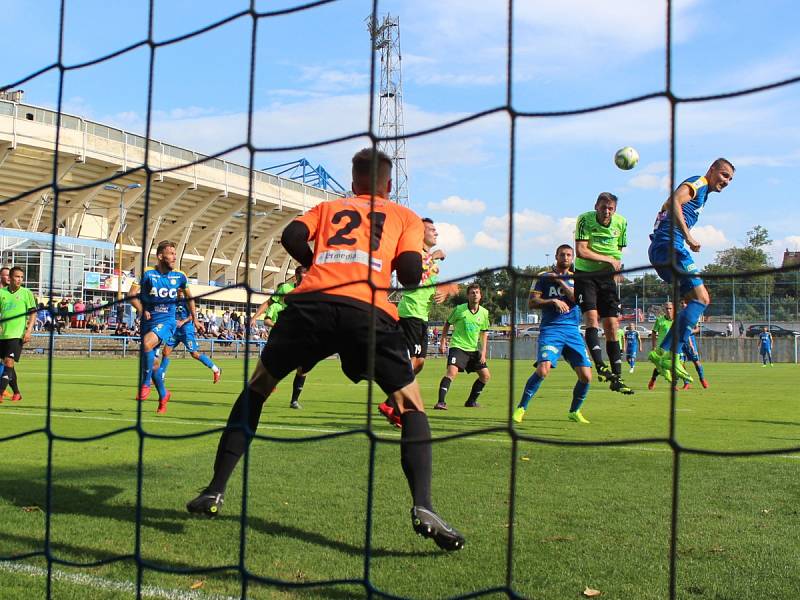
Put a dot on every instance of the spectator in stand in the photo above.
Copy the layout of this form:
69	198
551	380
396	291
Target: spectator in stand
93	325
42	317
79	308
236	322
226	320
63	312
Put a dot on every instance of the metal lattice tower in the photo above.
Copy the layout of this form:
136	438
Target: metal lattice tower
386	40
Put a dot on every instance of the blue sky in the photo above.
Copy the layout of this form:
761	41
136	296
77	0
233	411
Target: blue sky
312	83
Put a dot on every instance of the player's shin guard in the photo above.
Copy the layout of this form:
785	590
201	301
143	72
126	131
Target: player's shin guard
444	387
206	361
245	413
531	387
614	356
593	344
4	381
417	458
579	393
297	386
476	390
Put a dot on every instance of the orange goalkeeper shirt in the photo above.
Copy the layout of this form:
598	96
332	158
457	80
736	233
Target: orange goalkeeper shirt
340	230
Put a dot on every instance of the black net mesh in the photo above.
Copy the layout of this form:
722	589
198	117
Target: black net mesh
520	279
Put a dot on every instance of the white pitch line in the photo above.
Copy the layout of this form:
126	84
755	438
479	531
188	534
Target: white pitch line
135	378
101	583
314	430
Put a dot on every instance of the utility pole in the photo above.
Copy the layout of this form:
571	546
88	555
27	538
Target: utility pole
385	36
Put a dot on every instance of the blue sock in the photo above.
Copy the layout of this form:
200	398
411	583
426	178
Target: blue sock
149	358
531	387
159	375
2	368
632	362
685	324
578	395
700	372
206	361
162	368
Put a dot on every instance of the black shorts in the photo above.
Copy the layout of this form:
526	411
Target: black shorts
11	349
597	293
465	361
416	334
309	332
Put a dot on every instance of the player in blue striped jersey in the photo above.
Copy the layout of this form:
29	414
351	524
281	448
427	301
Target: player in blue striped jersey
155	298
631	346
186	334
685	205
559	334
765	346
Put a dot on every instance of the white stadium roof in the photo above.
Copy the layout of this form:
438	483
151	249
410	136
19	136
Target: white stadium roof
199	205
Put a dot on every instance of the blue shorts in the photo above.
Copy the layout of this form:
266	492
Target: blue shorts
185	335
631	351
660	253
165	330
566	341
690	354
766	350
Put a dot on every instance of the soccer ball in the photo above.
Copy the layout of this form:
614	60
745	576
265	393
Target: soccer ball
626	158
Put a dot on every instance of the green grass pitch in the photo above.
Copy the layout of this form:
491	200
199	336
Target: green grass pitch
584	516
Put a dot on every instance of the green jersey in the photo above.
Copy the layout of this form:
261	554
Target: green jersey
15	306
606	240
621	337
661	327
417	303
273	311
467	327
279	297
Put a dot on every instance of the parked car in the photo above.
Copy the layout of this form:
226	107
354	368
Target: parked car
775	330
528	331
708	332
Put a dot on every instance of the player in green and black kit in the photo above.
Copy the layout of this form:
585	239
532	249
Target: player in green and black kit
16	301
414	308
273	307
600	236
660	329
470	323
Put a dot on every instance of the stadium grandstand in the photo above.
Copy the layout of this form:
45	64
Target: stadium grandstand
199	202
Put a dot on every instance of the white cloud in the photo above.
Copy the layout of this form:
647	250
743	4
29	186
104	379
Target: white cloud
646	181
710	237
790	159
456	204
532	230
451	238
460	40
484	240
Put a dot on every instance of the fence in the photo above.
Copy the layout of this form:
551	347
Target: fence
713	349
105	345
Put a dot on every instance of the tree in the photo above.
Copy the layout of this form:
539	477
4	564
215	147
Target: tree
751	293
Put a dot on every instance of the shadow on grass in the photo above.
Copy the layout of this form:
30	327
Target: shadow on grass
96	501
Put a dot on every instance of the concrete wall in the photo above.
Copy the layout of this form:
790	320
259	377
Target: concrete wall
711	349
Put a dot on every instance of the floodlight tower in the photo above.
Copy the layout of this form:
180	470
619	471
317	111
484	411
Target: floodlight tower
386	40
